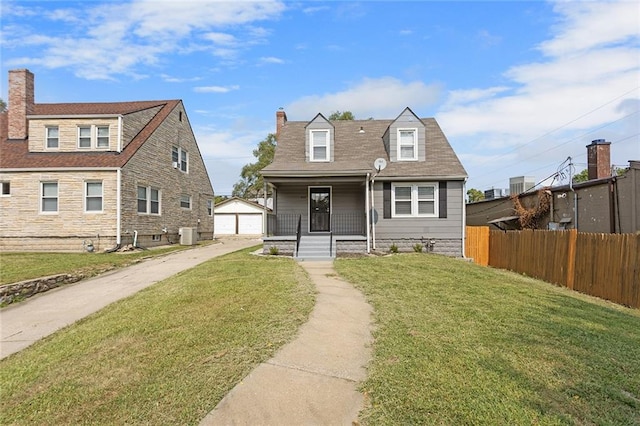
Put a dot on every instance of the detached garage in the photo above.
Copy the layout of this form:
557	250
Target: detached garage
236	216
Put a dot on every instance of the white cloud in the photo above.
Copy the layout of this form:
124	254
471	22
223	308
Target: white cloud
380	98
215	89
585	88
116	39
271	60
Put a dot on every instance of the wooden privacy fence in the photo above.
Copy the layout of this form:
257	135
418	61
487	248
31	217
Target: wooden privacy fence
602	265
477	244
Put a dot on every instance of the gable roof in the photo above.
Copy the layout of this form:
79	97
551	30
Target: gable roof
14	154
356	150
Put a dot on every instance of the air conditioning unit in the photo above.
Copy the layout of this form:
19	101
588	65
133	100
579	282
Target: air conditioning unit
175	164
188	236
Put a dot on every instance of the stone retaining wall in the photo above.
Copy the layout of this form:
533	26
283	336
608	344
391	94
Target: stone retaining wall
22	290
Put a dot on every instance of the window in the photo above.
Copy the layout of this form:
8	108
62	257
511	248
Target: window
156	237
210	207
49	197
5	189
148	200
180	158
52	137
185	201
102	134
407	144
413	199
89	136
154	201
93	197
84	137
319	145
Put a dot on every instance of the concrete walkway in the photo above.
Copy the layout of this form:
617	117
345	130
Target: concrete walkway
312	380
24	323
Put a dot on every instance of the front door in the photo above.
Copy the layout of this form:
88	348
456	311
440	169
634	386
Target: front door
319	209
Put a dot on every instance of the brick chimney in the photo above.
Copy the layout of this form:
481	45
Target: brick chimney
599	159
281	118
21	100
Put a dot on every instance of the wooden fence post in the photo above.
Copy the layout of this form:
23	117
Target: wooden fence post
571	258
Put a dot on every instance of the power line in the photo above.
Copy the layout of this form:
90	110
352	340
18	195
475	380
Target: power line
568	123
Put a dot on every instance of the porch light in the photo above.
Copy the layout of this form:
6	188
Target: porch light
361	130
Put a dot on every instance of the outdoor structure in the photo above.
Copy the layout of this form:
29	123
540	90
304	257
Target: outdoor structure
236	216
97	176
602	204
364	185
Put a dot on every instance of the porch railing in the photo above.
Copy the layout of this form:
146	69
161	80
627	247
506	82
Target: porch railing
298	234
342	223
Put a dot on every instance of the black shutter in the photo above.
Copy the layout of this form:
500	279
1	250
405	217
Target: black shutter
442	198
386	196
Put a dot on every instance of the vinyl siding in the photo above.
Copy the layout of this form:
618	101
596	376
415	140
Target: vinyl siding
416	227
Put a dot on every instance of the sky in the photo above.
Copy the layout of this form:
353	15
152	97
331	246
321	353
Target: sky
516	86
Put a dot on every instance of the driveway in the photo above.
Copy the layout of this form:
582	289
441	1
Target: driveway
26	322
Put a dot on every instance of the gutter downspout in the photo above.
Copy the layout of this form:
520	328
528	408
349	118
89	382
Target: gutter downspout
264	209
119	149
118	206
367	212
464	219
373	209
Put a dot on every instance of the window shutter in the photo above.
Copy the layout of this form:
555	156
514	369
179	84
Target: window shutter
386	203
442	199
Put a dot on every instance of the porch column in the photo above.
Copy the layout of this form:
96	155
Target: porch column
367	211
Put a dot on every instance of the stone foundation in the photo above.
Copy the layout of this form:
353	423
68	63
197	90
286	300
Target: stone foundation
447	247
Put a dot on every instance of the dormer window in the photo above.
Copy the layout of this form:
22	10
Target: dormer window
407	144
319	148
52	137
84	137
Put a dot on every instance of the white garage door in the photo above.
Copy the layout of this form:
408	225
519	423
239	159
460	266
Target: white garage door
224	224
249	223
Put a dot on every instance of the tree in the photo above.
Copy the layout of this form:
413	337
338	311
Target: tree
3	105
583	176
346	115
251	183
475	195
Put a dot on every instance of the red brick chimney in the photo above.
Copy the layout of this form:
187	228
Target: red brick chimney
599	159
281	118
21	100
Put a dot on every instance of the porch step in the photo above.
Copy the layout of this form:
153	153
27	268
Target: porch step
315	247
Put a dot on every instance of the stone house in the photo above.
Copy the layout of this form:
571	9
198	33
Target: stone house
364	185
97	176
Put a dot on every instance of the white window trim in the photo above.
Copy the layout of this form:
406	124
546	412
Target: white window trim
327	142
415	144
414	199
86	196
57	197
78	137
46	138
210	208
93	136
148	190
190	202
2	184
180	151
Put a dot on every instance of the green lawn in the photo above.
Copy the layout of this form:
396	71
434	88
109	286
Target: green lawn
458	344
166	355
16	267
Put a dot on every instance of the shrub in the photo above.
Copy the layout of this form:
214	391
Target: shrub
393	248
274	250
417	248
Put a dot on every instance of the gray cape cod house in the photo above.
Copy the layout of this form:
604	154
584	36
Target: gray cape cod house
363	186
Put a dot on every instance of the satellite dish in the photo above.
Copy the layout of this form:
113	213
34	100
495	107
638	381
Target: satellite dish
380	164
